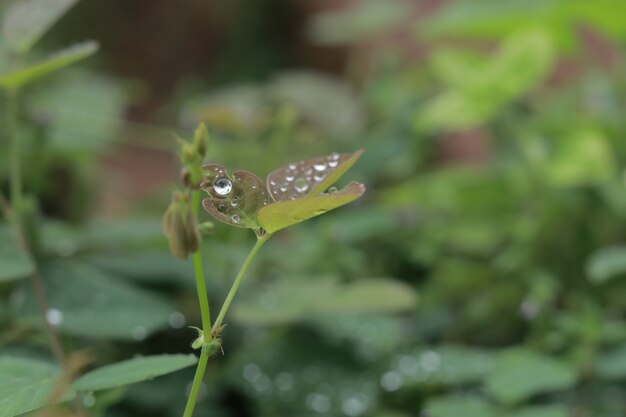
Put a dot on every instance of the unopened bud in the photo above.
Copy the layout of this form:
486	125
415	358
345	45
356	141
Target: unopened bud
185	178
180	227
201	140
188	154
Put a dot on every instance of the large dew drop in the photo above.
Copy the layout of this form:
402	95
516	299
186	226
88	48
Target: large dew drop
301	185
222	186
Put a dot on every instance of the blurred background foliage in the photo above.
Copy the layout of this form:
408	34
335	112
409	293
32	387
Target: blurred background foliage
482	275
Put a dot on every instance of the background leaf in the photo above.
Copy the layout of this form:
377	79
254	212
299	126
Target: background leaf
456	406
556	410
606	264
60	59
132	371
295	300
519	374
25	21
14	262
612	364
90	303
26	384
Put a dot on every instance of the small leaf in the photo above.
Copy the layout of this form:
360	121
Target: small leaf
309	178
287	213
133	371
57	61
235	200
25	21
14	262
26	384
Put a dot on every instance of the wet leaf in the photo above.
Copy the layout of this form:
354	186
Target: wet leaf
26	21
57	61
234	200
310	177
133	371
282	214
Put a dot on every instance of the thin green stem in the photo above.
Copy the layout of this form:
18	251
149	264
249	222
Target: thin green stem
203	299
15	154
205	314
197	383
235	287
204	308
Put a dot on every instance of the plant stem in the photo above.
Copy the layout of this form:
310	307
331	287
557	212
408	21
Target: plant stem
197	382
15	154
203	299
205	313
204	355
233	290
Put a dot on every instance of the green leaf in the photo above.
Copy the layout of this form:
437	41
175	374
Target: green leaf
296	300
487	18
78	117
478	90
520	374
361	20
370	295
325	104
27	384
309	178
26	21
552	410
235	200
606	264
452	365
457	406
583	157
612	364
61	59
14	262
283	214
132	371
90	303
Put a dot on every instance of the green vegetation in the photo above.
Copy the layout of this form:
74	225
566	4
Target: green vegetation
480	275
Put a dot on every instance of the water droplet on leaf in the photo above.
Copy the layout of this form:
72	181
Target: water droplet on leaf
319	167
54	316
223	186
235	218
301	185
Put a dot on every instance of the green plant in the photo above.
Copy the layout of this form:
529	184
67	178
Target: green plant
294	193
